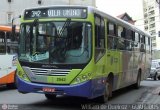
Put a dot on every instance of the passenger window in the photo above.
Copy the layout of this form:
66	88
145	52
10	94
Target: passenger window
121	44
111	29
99	37
111	39
2	43
142	39
99	33
121	32
128	34
137	38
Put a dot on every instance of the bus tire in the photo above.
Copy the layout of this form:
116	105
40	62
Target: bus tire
137	84
155	76
50	96
104	98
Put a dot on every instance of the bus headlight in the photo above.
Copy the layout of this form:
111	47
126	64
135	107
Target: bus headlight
78	80
82	78
24	76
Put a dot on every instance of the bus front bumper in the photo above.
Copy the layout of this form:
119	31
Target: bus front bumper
81	90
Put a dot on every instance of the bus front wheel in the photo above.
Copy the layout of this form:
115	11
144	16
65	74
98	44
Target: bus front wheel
104	98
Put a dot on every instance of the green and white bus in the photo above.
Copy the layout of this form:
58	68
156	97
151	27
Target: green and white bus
79	51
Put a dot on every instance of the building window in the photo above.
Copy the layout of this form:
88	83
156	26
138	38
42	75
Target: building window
152	25
146	21
153	39
152	19
9	1
154	44
145	15
39	2
153	32
9	18
151	13
146	27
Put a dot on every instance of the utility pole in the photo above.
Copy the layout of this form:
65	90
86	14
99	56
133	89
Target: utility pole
69	2
158	1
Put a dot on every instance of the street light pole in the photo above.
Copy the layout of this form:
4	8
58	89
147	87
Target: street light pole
158	1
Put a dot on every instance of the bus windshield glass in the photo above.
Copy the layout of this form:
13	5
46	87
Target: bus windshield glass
66	42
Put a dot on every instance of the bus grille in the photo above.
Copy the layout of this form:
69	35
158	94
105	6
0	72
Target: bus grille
50	72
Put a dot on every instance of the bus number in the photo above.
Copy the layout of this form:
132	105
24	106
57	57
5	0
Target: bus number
61	79
36	14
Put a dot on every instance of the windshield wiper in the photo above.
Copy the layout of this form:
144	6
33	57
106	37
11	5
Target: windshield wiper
66	25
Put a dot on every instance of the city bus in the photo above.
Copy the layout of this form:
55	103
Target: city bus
79	51
8	55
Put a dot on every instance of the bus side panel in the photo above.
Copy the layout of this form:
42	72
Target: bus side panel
7	70
147	65
9	78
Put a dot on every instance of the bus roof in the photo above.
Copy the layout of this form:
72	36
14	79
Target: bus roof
119	21
7	28
92	9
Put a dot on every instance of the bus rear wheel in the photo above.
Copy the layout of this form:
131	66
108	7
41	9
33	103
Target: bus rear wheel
137	84
155	77
50	96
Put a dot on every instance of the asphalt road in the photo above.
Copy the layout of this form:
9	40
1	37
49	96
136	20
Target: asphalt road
32	101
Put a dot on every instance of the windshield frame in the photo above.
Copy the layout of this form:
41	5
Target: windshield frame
91	42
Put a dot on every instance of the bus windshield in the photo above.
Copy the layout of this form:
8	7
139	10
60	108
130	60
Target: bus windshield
8	41
56	42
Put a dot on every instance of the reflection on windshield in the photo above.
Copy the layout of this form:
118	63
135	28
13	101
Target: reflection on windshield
55	42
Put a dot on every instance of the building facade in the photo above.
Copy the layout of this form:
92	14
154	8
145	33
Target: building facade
10	9
152	21
127	18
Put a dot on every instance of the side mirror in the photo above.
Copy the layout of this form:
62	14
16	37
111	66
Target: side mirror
13	32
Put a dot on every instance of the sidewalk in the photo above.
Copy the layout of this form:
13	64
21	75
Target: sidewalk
151	97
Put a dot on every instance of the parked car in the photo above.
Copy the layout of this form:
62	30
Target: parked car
155	70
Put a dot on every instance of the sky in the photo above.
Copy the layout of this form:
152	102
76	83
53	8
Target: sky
134	8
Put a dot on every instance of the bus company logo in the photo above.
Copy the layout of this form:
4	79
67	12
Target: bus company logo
49	72
4	107
49	66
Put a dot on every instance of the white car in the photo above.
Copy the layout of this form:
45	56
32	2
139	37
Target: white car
155	70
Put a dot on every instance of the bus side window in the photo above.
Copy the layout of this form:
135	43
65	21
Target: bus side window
99	37
2	36
136	42
2	43
99	32
8	36
147	45
142	40
111	38
121	36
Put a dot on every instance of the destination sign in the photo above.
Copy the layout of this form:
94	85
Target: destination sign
56	13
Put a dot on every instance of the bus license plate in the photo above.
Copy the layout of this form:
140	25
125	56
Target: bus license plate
48	89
